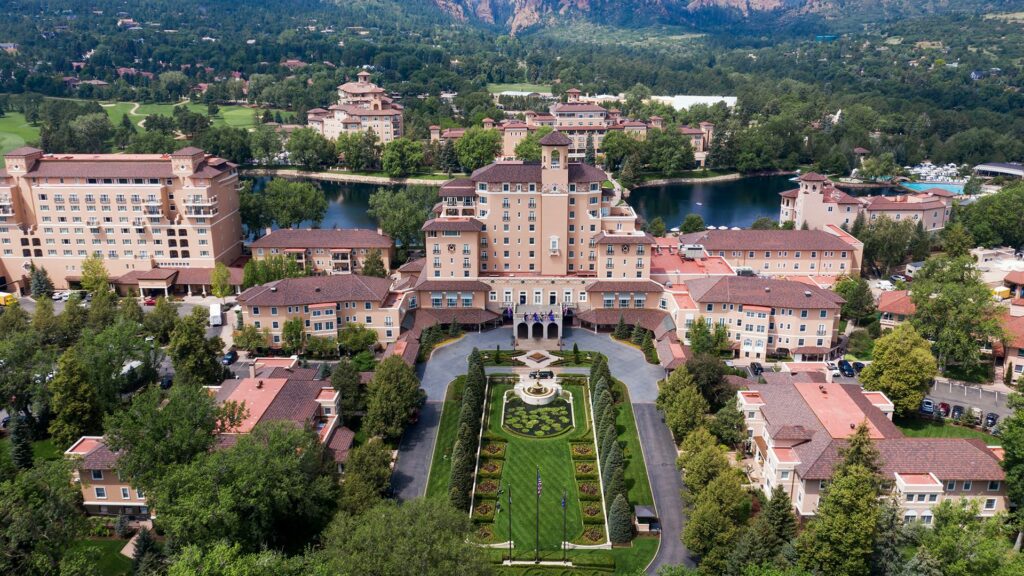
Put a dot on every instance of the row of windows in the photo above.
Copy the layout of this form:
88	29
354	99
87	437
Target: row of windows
779	312
101	493
121	181
316	312
111	254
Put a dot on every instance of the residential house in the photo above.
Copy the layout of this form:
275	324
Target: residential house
895	308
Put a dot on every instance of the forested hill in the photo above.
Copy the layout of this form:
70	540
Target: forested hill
737	15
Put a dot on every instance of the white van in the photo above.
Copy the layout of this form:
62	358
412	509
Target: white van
886	286
216	317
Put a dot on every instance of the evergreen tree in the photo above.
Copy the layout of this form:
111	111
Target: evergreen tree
628	174
860	451
647	346
590	154
841	537
612	462
461	479
622	331
890	538
767	536
604	403
373	264
21	443
859	226
600	386
606	425
145	547
40	284
575	353
449	158
921	244
617	486
620	521
609	439
637	335
922	563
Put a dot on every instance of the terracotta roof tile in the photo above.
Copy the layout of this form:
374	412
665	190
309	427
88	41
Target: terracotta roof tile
896	302
316	290
762	292
555	139
324	238
459	224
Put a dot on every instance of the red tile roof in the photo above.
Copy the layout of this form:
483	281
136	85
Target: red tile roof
555	139
324	238
745	240
519	172
653	320
340	443
457	188
1014	327
762	292
638	285
812	177
459	224
896	302
316	290
1015	277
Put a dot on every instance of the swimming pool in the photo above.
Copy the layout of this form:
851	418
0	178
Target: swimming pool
922	186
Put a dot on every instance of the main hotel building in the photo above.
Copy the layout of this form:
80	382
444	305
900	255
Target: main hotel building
137	211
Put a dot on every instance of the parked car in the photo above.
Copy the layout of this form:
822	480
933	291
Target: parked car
58	296
944	409
858	366
886	286
166	381
898	278
990	419
958	412
927	406
846	369
756	369
229	358
542	375
149	301
831	365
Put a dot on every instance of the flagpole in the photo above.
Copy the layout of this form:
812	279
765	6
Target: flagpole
564	551
536	547
509	523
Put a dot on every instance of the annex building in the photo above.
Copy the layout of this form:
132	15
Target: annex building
362	107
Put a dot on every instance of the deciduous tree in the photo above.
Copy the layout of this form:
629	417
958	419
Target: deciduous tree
220	281
291	203
196	358
478	147
373	264
77	409
309	149
860	302
94	274
393	394
367	476
692	223
345	379
401	157
903	368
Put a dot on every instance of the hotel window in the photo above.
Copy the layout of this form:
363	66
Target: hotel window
990	504
950	485
784	474
101	493
993	485
125	494
933	497
966	486
96	474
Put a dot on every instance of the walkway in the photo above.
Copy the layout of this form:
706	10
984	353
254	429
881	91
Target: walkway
627	364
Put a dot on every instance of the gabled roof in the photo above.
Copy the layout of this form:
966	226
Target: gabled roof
457	224
324	238
896	302
762	292
555	139
317	290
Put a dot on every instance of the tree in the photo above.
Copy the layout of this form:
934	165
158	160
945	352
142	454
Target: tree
40	516
102	310
161	321
123	133
860	451
590	154
401	157
94	275
448	159
220	281
250	338
367	476
994	219
266	145
709	375
840	539
575	353
91	133
702	341
360	150
152	142
226	142
40	284
876	167
293	336
966	544
156	434
611	462
528	149
684	407
373	264
628	175
903	368
290	203
668	151
764	223
77	410
308	148
954	309
223	559
692	223
637	334
345	379
196	358
1012	434
401	213
393	395
617	146
656	227
921	243
890	540
860	302
191	124
146	550
714	524
421	536
622	331
478	147
355	338
21	443
620	521
765	540
276	487
728	426
269	269
956	240
128	310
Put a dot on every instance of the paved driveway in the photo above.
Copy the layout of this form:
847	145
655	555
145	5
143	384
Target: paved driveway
627	364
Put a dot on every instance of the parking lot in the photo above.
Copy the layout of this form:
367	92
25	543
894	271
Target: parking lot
970	396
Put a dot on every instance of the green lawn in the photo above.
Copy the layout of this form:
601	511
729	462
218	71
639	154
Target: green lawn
441	465
42	449
107	555
636	473
922	428
15	132
522	87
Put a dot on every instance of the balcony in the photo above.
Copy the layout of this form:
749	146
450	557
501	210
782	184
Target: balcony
200	212
197	200
154	202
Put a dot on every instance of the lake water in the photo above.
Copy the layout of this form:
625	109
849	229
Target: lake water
729	203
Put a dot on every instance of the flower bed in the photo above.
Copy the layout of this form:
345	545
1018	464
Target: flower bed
589	490
537	421
583	452
484	510
484	533
487	487
490	468
493	450
586	469
592	513
593	534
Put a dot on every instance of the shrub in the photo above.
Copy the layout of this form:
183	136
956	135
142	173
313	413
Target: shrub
484	510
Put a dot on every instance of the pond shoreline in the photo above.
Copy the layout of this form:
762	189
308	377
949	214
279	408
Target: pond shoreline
338	177
722	178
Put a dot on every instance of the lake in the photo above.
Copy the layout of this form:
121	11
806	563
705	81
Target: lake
347	203
725	203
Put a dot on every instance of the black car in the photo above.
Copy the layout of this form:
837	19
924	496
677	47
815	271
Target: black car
846	369
229	358
542	375
990	419
756	369
858	366
958	412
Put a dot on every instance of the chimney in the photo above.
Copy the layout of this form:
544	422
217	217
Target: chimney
252	369
259	384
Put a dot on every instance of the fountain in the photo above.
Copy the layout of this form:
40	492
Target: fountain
536	393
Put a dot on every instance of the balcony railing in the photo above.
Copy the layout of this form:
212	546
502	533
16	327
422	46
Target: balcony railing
200	201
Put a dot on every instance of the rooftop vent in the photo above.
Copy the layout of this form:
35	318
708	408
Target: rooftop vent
807	293
317	289
273	288
259	384
767	288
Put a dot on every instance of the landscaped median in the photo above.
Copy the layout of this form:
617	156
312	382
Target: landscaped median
518	439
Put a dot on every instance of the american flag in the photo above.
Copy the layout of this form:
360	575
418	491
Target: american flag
540	485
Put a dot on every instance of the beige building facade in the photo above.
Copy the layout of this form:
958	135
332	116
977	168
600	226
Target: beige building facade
817	204
136	211
322	251
797	428
362	107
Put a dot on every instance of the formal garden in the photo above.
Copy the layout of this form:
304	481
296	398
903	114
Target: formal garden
583	443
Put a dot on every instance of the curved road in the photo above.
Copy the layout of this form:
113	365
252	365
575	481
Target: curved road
627	364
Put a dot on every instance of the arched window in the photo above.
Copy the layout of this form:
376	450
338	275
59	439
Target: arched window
555	158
